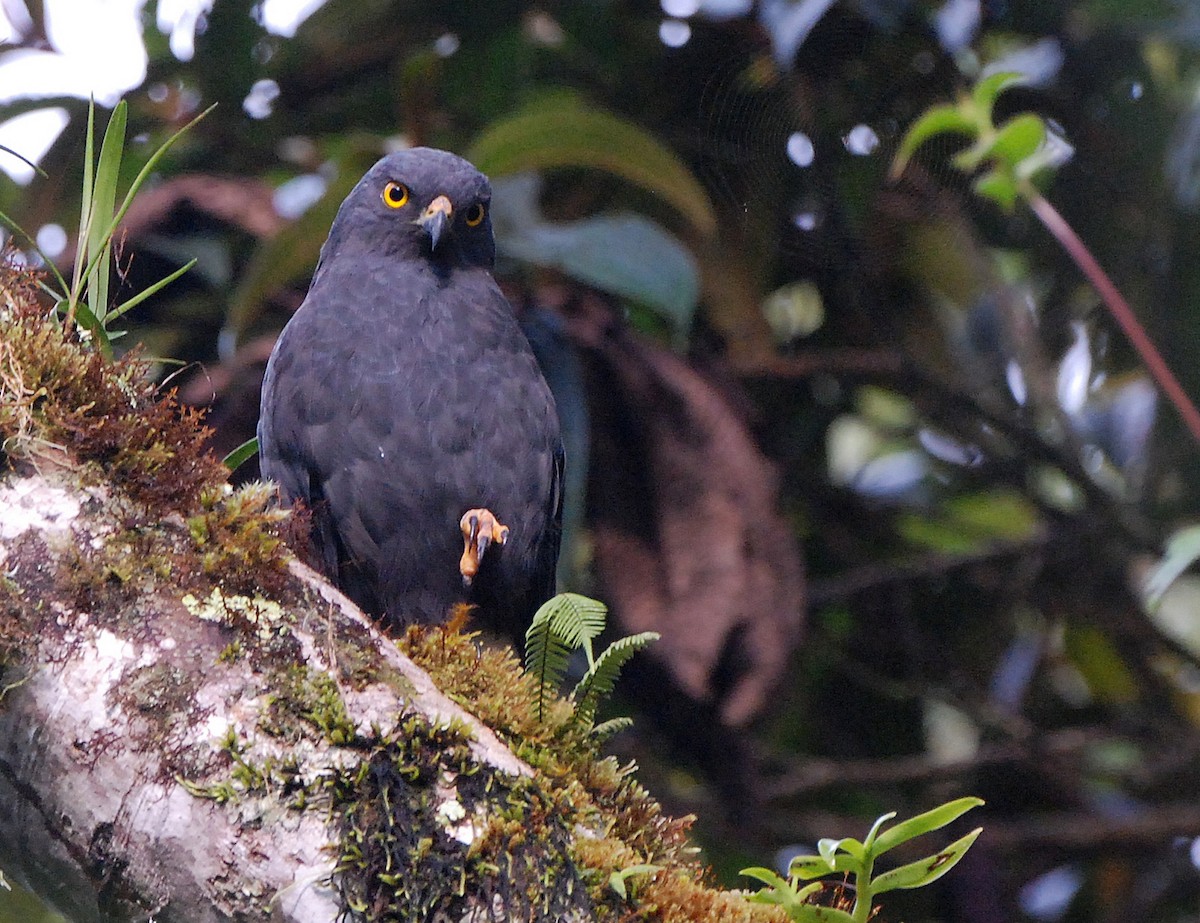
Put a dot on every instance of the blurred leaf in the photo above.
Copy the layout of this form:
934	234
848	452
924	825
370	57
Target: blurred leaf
1183	550
563	130
623	254
995	514
927	870
973	521
794	310
999	187
939	120
987	90
924	823
1101	665
1019	137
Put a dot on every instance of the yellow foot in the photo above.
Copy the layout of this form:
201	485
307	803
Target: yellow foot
479	528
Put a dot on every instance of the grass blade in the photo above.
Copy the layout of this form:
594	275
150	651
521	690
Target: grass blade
242	454
149	291
104	200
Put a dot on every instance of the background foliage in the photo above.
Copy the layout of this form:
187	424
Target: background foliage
761	342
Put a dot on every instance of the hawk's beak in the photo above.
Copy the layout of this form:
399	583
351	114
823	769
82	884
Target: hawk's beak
436	219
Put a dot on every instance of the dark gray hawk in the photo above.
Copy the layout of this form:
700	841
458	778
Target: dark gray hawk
402	404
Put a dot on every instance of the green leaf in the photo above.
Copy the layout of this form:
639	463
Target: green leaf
987	90
768	877
938	120
617	879
599	680
1000	187
104	201
1183	550
86	319
779	892
926	870
809	867
576	619
242	454
44	175
564	130
546	659
562	624
85	206
1018	138
924	823
98	224
610	728
149	291
868	845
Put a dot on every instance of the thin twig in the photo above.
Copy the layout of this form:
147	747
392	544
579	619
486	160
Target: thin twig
1119	308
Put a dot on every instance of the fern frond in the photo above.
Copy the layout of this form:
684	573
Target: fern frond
602	732
599	680
577	620
546	654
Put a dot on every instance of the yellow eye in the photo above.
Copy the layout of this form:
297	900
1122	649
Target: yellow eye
395	195
474	216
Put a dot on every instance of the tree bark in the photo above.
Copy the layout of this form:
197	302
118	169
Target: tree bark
149	769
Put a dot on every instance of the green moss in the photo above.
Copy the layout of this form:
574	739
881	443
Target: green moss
414	834
616	823
303	701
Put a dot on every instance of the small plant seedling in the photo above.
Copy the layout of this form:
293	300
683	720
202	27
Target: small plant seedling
618	880
563	625
856	860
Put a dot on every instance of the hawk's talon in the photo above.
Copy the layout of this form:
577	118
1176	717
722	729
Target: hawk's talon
480	528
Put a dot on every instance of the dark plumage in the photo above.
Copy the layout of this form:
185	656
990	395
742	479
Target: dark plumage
403	393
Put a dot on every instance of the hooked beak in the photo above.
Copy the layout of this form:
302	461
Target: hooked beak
436	219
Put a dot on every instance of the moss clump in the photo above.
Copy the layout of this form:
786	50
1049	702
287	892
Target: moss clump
304	701
617	824
64	406
237	533
60	401
414	835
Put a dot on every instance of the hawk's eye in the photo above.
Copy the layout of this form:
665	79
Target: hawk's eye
395	195
474	215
